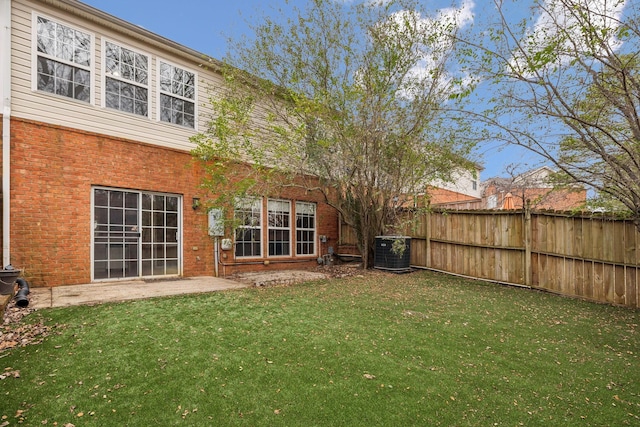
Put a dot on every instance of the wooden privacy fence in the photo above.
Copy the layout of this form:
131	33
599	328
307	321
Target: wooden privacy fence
595	258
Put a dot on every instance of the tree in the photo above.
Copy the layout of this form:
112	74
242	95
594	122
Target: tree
566	86
343	99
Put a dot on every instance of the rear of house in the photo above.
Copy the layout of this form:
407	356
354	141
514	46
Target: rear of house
98	180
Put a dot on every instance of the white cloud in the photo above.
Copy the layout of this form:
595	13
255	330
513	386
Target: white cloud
461	16
557	25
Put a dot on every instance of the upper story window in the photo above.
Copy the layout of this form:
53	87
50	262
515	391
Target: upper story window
126	80
177	95
63	60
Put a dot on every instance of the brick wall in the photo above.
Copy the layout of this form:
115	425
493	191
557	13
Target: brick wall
52	174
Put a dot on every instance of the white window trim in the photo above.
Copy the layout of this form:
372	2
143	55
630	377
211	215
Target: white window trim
34	58
103	77
159	92
290	229
315	228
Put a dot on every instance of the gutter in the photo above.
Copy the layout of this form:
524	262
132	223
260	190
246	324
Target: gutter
5	103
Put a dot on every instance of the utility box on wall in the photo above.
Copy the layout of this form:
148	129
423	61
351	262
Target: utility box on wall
393	253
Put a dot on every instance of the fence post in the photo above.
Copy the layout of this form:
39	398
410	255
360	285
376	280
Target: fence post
428	238
527	243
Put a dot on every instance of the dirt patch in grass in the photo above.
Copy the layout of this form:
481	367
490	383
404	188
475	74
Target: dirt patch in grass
292	277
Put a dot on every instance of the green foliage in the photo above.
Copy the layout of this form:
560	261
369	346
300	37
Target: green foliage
383	349
345	100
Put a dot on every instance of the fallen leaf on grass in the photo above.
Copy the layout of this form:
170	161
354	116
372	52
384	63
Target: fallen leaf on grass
369	376
14	374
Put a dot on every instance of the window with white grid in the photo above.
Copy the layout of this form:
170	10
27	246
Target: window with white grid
279	214
177	95
126	79
305	228
248	215
63	56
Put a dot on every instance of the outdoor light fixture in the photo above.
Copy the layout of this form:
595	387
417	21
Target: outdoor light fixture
195	203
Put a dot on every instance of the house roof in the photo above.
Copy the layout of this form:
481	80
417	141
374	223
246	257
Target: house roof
535	177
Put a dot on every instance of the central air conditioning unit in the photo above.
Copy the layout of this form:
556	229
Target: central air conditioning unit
393	253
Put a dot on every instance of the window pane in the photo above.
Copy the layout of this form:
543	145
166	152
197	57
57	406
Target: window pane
189	121
131	200
165	108
146	218
172	204
146	268
126	72
158	268
100	270
158	251
46	36
158	203
141	76
131	217
171	235
158	235
158	219
131	269
165	77
126	105
172	219
172	267
146	251
172	251
141	109
101	197
116	216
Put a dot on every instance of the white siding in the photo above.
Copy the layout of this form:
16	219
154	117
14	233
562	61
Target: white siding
35	105
463	182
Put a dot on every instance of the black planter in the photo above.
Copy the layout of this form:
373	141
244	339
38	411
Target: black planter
7	281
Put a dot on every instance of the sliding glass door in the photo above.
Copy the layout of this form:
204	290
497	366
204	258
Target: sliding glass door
135	234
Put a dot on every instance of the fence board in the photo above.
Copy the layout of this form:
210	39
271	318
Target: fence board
579	278
619	285
609	281
631	291
568	278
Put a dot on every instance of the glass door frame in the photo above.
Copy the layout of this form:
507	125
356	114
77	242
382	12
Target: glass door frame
139	275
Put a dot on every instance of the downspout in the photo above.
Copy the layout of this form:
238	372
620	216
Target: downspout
5	102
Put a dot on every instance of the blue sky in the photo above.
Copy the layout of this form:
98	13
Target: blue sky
206	25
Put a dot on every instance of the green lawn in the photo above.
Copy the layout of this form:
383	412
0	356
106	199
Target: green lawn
395	350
